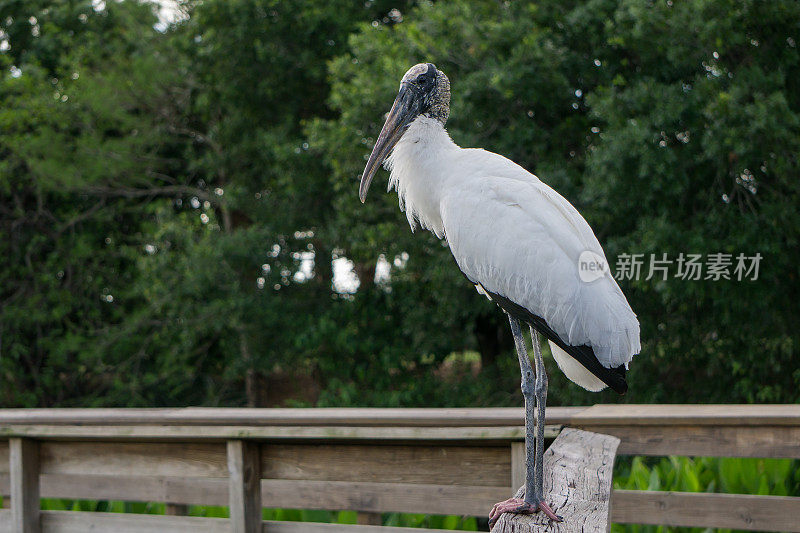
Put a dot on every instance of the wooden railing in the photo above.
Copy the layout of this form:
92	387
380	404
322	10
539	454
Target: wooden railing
433	461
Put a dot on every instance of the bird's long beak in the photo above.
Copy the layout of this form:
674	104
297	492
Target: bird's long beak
405	109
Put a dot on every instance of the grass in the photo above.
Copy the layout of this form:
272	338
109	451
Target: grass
777	477
451	522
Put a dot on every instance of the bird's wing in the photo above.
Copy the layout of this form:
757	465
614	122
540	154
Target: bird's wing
521	240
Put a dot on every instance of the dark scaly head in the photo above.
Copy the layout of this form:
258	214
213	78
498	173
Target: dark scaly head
424	91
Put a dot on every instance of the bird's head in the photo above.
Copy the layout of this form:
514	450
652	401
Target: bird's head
424	91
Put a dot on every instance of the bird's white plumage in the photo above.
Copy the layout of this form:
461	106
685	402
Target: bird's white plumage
575	371
515	236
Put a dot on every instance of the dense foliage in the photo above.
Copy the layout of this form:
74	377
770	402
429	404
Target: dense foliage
172	196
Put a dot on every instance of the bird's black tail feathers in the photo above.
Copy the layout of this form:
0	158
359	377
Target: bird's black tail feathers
613	377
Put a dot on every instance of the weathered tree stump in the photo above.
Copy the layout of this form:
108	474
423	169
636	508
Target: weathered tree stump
578	467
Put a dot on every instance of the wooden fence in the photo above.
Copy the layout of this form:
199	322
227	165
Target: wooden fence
433	461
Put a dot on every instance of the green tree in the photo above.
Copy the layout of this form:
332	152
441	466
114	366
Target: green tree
82	144
163	194
671	127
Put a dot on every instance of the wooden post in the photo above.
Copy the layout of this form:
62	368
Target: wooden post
244	491
517	466
577	484
176	509
24	474
364	518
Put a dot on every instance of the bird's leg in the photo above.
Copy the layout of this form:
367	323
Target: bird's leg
540	391
532	495
534	390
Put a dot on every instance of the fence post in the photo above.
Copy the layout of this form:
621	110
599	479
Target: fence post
364	518
574	455
244	491
517	466
24	474
176	509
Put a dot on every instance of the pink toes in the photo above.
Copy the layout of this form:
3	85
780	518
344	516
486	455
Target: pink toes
549	512
519	506
511	505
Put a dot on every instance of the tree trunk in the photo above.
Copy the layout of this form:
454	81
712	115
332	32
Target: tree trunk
256	396
493	339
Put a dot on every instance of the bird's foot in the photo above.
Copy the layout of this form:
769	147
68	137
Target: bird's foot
520	506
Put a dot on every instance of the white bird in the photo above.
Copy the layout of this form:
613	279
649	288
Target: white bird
520	243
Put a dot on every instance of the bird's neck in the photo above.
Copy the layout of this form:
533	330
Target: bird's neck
419	167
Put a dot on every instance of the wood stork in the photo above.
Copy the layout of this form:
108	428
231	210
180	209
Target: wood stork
520	243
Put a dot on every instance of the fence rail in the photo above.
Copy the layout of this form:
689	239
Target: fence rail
433	461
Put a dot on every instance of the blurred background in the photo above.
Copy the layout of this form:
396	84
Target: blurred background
180	224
